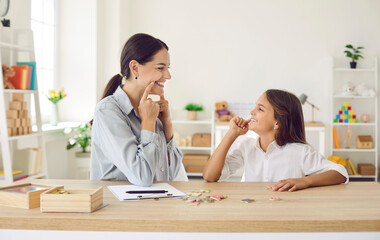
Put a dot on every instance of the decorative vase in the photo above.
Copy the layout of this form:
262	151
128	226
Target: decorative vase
192	115
54	115
353	65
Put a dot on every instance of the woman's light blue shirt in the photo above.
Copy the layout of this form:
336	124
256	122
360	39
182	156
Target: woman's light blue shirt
120	150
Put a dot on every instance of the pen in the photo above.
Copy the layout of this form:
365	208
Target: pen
146	191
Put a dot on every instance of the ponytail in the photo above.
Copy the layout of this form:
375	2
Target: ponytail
111	87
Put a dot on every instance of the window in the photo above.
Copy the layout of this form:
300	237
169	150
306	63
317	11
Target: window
43	25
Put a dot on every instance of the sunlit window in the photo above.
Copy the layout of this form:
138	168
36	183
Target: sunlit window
44	26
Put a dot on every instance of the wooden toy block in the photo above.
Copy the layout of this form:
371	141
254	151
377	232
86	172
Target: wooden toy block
15	105
72	200
9	132
25	130
18	97
26	195
23	113
24	105
19	131
12	114
11	122
366	169
346	104
30	131
23	122
17	122
364	142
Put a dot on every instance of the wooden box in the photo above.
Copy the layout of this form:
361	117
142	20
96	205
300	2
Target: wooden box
366	169
201	140
12	114
364	142
76	200
26	195
19	97
195	163
15	105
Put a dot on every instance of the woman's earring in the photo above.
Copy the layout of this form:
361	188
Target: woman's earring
135	77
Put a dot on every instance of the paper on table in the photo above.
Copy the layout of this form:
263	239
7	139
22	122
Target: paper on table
120	191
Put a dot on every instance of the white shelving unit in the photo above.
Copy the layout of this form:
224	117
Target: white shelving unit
360	104
187	128
16	46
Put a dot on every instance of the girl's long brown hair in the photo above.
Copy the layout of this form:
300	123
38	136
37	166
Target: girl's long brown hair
288	112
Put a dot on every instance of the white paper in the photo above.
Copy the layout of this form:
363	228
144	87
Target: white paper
120	191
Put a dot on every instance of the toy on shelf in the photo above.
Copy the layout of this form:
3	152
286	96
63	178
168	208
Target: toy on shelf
360	90
7	72
347	140
366	169
365	117
182	141
346	115
18	122
364	142
221	111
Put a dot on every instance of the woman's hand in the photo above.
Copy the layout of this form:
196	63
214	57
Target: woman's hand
238	126
165	118
291	184
148	110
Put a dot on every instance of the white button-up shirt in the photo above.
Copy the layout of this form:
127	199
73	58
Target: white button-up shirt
120	150
293	160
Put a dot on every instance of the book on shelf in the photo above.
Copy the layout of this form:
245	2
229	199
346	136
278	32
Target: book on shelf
32	81
349	169
24	77
336	142
352	167
17	175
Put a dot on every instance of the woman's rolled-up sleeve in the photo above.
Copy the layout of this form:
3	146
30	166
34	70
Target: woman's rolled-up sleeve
175	157
134	157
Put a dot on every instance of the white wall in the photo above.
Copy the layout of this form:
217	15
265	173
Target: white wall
19	14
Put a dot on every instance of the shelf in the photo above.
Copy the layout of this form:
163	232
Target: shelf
361	176
355	70
15	47
196	148
20	91
192	122
353	150
24	136
355	97
355	124
194	174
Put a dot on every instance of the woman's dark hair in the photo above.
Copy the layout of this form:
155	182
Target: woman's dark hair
140	47
288	112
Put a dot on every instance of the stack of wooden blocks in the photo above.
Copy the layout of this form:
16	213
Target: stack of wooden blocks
18	121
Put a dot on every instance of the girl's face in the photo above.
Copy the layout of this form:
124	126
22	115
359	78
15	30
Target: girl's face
262	121
156	71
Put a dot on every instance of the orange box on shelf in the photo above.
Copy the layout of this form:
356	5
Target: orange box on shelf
366	169
195	163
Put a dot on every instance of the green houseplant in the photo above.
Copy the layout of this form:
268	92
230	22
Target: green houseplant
82	138
192	110
354	54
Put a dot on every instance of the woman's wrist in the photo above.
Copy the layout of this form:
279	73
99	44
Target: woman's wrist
148	125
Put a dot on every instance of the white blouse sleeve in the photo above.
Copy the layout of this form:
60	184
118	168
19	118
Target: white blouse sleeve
315	163
234	159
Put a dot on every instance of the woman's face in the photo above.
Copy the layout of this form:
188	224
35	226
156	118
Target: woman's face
262	117
156	71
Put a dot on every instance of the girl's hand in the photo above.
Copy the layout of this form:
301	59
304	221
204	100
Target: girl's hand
238	126
291	184
148	110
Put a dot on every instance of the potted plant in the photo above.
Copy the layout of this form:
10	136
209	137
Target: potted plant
82	138
354	54
192	110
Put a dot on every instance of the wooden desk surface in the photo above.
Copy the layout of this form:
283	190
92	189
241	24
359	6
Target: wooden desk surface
340	208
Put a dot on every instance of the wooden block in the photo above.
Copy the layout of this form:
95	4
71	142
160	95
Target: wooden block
30	130
25	130
366	169
17	122
15	105
76	200
18	97
201	140
24	105
28	123
364	142
23	122
12	114
22	113
195	163
28	198
11	122
19	131
9	132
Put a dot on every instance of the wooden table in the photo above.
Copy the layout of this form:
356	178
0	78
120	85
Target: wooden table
354	207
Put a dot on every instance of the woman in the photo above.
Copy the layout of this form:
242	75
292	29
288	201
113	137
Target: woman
132	136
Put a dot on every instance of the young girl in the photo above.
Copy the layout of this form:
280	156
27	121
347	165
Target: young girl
132	136
280	154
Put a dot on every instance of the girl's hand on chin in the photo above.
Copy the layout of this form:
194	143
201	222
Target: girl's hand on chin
239	126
